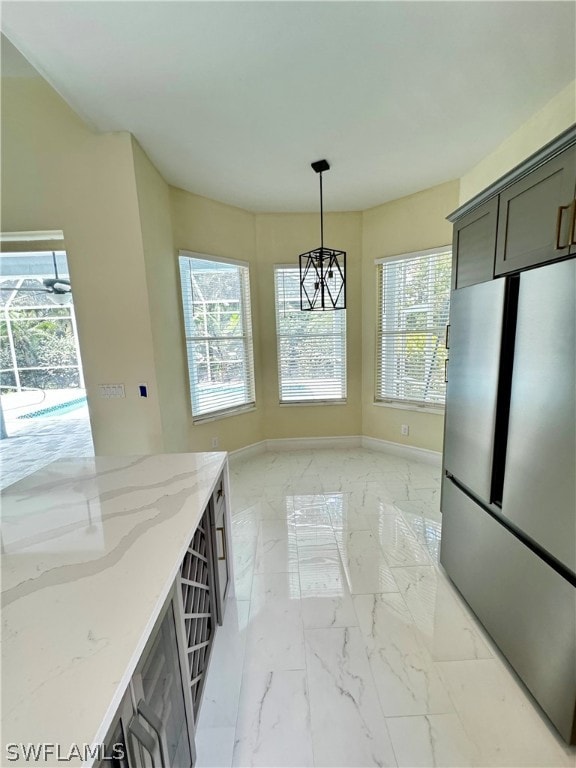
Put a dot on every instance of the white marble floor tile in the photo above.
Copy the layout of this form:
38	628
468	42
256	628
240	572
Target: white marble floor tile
274	720
357	543
368	574
333	500
321	573
423	510
348	728
302	510
222	688
429	495
336	611
406	679
307	485
321	536
318	554
259	507
275	529
214	747
275	632
371	501
279	555
399	493
269	588
428	531
500	719
244	554
398	541
449	630
428	741
351	521
244	527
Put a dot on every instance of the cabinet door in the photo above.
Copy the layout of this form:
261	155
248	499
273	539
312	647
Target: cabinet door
160	699
116	752
220	547
474	245
535	216
198	603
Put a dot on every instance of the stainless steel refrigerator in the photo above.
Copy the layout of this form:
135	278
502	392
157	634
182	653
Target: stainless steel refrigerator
509	489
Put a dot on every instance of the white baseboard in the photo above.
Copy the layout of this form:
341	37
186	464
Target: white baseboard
310	443
409	452
248	450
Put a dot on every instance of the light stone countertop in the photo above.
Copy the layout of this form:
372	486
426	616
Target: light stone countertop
90	550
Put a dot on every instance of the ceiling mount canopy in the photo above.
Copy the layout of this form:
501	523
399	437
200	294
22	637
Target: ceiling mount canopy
323	270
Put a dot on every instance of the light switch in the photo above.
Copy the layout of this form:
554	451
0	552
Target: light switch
108	391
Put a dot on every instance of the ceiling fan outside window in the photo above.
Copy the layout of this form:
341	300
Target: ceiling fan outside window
58	288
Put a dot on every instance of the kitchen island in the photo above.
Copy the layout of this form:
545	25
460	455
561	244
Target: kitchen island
92	549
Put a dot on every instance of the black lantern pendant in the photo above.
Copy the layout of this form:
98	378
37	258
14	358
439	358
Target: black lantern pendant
323	270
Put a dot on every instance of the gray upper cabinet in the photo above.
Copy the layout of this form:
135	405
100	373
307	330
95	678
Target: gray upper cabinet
474	246
536	216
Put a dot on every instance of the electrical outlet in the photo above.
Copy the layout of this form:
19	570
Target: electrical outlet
214	442
405	430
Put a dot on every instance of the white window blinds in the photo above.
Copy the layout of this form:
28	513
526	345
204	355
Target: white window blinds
311	345
218	327
413	309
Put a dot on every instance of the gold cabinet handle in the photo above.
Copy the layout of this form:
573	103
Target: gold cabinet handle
223	557
561	210
573	225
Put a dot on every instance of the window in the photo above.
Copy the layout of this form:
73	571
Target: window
413	307
311	346
218	327
38	337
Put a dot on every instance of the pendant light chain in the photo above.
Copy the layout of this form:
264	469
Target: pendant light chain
321	215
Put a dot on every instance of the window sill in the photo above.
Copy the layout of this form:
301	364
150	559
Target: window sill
410	407
222	415
306	403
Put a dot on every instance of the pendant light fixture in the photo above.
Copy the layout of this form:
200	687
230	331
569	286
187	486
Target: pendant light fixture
323	270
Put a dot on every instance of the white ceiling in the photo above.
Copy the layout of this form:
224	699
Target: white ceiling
234	100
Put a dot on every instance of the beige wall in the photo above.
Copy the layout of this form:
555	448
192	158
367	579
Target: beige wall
162	280
123	227
545	125
279	240
206	226
413	223
56	174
